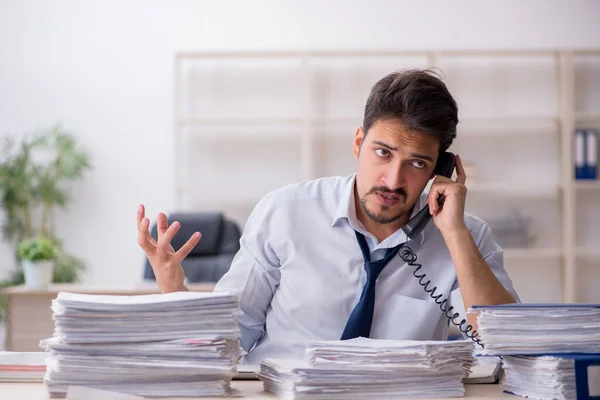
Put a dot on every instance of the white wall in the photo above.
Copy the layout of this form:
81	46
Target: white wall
105	70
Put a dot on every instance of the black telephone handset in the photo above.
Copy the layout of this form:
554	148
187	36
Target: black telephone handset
445	167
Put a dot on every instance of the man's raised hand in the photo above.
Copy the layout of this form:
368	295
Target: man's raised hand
165	261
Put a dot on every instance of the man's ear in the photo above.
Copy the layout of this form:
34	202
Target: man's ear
358	140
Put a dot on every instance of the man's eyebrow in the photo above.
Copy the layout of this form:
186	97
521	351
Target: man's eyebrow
422	156
414	155
387	146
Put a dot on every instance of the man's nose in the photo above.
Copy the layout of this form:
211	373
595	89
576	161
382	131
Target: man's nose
394	177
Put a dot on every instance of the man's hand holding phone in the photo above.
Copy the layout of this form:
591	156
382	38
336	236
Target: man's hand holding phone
165	261
449	217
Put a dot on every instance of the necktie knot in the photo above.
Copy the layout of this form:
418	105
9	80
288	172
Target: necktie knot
372	273
374	268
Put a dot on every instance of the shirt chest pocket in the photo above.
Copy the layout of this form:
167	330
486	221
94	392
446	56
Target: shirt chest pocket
405	318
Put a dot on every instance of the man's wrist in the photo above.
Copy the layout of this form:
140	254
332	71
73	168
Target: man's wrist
460	244
171	289
456	233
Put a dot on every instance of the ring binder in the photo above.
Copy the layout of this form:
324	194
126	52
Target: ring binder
591	154
579	158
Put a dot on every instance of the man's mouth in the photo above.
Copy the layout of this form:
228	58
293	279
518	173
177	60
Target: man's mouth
388	199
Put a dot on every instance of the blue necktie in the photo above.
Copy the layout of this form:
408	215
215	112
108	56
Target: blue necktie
359	323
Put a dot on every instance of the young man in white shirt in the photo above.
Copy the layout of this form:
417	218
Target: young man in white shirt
302	271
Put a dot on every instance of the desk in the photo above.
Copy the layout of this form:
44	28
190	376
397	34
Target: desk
30	316
249	389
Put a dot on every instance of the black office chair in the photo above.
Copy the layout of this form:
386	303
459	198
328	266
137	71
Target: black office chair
212	256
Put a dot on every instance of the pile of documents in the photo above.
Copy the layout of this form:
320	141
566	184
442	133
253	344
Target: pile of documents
544	347
538	328
161	345
544	377
372	368
22	366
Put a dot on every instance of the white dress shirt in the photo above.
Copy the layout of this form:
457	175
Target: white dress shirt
300	272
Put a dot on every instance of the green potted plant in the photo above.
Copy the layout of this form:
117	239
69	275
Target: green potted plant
37	173
37	257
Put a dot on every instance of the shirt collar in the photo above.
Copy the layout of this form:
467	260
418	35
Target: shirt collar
346	210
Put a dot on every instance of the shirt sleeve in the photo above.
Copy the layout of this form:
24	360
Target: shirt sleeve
493	255
254	273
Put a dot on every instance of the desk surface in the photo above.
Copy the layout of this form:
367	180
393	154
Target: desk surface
249	390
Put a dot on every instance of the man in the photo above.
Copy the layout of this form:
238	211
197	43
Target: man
303	270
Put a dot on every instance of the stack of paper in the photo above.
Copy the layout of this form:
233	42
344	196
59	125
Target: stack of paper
372	368
160	345
22	366
543	377
543	346
538	328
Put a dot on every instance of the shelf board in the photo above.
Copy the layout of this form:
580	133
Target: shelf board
587	118
520	190
215	203
244	129
479	52
485	126
515	121
587	185
496	133
532	253
469	127
588	252
492	127
336	120
241	122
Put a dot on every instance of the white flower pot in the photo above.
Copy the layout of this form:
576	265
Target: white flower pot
38	274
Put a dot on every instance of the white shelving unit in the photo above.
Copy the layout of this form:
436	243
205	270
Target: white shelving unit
247	123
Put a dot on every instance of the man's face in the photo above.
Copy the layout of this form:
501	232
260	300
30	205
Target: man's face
394	166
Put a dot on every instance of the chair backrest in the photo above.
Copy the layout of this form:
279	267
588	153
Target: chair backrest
211	257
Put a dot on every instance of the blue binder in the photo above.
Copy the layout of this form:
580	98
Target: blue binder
583	381
591	154
579	156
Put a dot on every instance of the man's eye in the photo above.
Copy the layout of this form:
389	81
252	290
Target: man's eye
382	152
418	164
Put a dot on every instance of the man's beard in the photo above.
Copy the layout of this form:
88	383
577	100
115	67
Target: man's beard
381	218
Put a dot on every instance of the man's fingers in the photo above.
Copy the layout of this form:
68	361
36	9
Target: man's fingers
161	224
144	238
431	196
140	215
432	200
436	190
188	246
461	175
165	240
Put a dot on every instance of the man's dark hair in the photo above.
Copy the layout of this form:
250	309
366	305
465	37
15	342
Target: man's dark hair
419	99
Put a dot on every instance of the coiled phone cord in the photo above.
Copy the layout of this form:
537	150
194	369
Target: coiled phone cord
409	257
